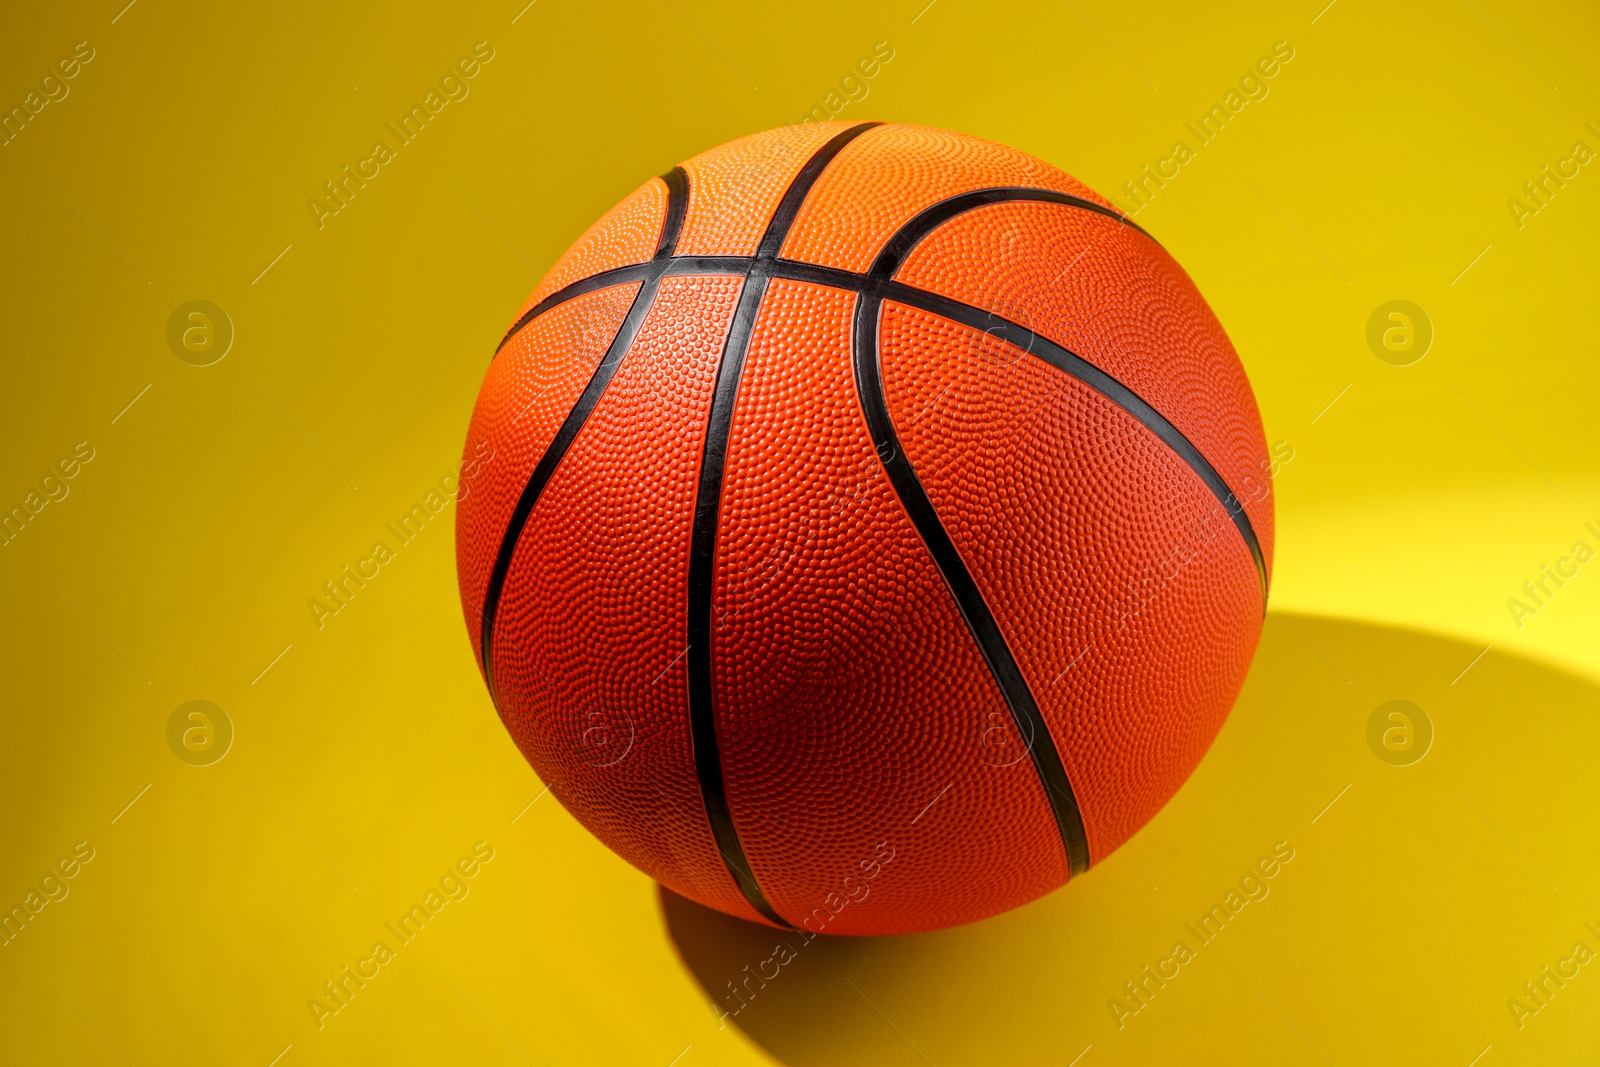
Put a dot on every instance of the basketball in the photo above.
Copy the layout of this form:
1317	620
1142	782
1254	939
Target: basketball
864	528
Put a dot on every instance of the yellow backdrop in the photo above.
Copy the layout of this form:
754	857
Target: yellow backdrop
190	474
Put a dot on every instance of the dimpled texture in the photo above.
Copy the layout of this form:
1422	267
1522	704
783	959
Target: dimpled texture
849	695
903	170
589	643
873	772
737	187
1109	294
526	395
1120	584
626	234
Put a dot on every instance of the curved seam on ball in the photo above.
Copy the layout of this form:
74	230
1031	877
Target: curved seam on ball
980	621
671	226
708	503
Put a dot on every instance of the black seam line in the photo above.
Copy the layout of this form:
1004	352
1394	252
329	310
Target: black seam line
604	280
1062	358
929	219
1057	356
1032	343
878	288
650	277
926	221
677	180
963	589
631	272
708	504
920	225
1104	384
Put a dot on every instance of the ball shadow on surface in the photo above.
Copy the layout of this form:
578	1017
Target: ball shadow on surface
1035	985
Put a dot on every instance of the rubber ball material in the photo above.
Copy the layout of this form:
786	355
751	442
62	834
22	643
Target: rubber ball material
864	528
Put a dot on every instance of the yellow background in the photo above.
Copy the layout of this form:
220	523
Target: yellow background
368	758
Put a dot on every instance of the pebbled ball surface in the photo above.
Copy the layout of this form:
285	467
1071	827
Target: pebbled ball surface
872	769
589	646
1069	511
625	234
526	396
1113	296
826	599
737	187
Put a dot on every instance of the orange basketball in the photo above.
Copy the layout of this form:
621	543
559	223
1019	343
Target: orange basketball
864	528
